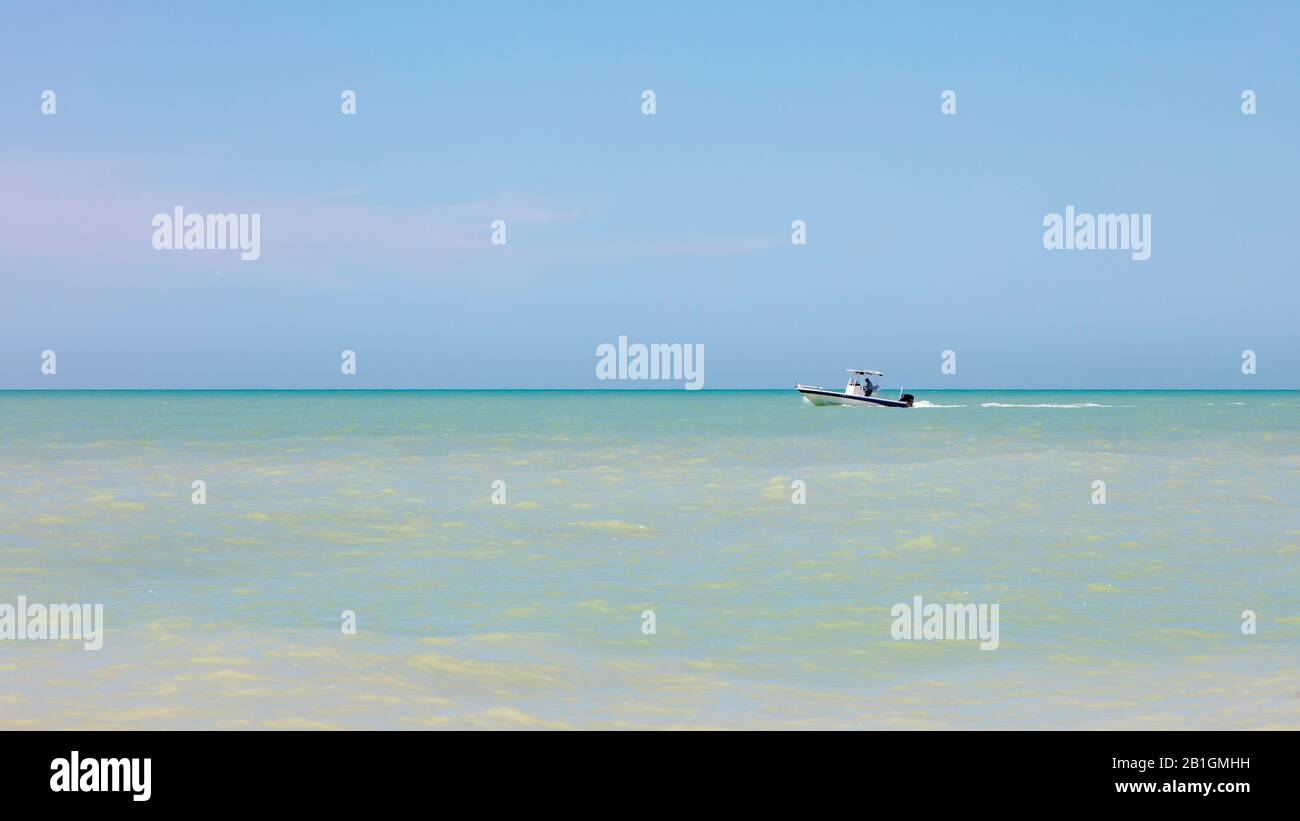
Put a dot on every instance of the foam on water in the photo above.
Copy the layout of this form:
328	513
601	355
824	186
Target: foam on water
1045	405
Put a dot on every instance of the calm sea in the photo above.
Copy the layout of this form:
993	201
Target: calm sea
766	612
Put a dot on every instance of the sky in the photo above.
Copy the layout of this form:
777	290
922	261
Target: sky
924	230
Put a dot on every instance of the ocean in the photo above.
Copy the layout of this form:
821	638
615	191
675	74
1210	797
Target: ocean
604	559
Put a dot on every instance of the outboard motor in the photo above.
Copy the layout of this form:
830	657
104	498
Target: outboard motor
908	398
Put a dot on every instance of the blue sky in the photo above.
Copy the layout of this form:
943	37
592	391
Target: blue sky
924	230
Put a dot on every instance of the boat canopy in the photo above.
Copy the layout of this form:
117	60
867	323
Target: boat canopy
861	372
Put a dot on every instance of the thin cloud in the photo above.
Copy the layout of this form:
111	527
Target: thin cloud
99	212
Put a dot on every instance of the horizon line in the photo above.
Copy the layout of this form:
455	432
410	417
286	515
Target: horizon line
619	390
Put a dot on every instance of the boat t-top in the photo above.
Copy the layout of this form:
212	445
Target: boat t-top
860	391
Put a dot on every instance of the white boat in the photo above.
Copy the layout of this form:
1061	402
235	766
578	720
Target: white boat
860	391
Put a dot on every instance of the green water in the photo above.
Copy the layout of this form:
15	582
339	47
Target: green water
767	612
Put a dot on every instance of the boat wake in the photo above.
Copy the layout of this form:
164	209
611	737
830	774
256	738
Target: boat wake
1046	405
924	404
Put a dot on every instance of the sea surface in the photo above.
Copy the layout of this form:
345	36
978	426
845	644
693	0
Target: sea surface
767	613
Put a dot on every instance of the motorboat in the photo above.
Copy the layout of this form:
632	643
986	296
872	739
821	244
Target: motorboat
860	391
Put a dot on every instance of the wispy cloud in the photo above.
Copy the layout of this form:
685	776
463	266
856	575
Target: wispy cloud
102	212
99	212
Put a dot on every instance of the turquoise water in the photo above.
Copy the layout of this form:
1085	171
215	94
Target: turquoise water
767	613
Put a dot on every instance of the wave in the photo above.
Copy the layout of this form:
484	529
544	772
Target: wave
925	404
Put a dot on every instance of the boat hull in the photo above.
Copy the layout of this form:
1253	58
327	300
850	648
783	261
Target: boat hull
822	396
